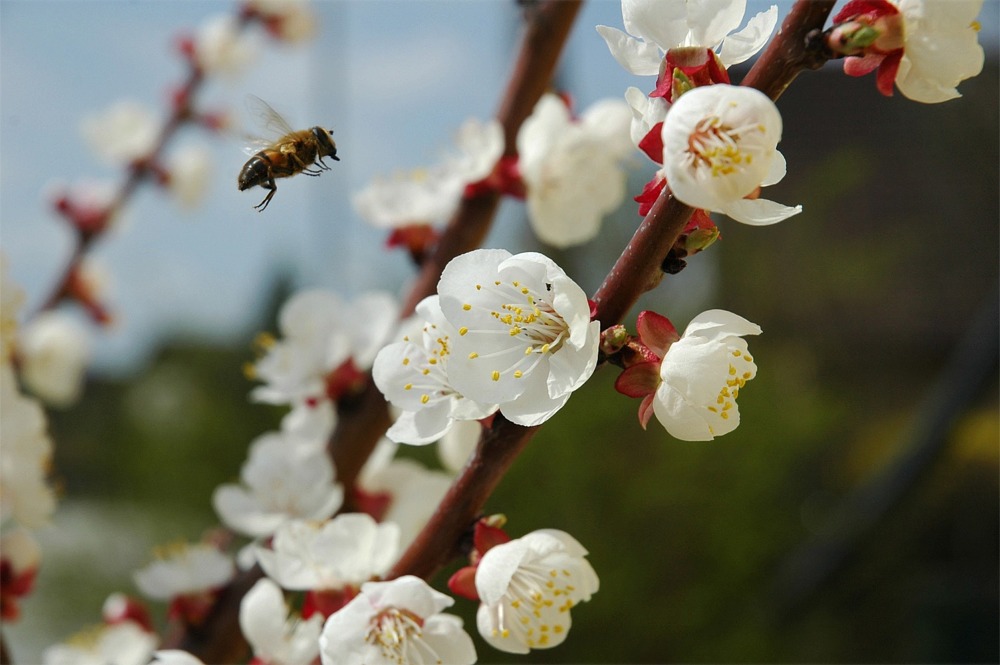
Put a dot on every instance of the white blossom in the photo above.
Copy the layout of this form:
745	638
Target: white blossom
320	332
941	48
420	196
223	47
25	452
119	644
283	479
126	131
175	657
184	569
190	169
702	374
413	376
430	196
396	623
525	339
19	550
572	168
656	26
54	350
289	20
276	637
720	146
346	551
528	587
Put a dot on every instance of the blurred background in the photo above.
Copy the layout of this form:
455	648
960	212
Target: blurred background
852	517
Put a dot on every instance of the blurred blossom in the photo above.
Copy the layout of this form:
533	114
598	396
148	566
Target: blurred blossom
175	657
418	197
19	559
412	491
396	622
54	349
124	132
222	47
190	170
289	20
11	300
310	419
527	587
430	196
458	444
283	479
346	551
656	27
25	453
320	334
276	637
572	169
719	147
185	569
119	644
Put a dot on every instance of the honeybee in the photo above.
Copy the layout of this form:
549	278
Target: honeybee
292	152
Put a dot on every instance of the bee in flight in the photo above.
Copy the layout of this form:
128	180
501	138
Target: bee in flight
292	152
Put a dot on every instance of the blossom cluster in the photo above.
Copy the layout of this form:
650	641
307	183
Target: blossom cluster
568	169
508	335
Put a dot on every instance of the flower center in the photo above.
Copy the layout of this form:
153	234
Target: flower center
433	363
398	634
738	375
541	600
719	148
529	320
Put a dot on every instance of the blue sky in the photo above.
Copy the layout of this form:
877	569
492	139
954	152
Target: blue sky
393	78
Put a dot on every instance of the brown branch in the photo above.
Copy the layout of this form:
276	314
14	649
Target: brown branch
636	271
793	49
440	540
219	639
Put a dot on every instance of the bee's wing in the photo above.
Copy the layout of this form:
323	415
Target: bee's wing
267	118
254	144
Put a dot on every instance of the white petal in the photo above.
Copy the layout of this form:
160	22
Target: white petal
716	323
421	427
639	58
709	21
740	46
262	615
777	170
241	512
759	212
664	23
533	406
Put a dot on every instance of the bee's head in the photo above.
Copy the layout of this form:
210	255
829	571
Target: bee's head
324	140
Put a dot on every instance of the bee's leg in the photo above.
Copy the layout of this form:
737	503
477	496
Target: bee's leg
321	164
267	199
302	166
